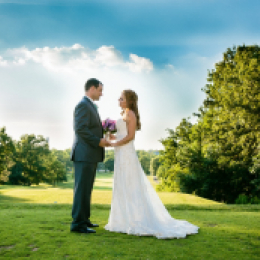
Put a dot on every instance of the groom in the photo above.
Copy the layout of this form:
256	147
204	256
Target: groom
87	151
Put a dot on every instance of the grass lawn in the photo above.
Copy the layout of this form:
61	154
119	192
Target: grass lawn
35	223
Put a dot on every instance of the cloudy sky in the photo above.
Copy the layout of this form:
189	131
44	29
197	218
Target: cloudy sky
161	49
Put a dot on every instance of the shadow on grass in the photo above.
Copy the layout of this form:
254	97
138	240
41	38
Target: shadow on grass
99	178
37	187
9	199
7	202
70	185
65	185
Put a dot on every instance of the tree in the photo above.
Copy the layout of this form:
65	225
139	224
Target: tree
6	152
101	166
154	165
63	156
109	163
66	158
145	158
16	177
174	157
145	162
55	168
30	161
233	97
218	156
30	153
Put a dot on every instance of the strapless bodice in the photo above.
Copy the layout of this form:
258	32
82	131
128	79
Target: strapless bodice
121	128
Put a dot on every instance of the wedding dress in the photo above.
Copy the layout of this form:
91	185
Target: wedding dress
136	208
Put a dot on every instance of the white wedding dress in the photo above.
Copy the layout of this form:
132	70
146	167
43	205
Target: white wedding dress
136	208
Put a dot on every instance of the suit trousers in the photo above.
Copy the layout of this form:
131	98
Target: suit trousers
85	173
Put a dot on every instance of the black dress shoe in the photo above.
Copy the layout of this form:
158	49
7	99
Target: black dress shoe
92	225
84	230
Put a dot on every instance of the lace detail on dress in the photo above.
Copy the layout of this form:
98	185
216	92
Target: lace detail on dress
136	208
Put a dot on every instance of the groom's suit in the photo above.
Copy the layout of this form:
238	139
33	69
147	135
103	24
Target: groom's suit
85	154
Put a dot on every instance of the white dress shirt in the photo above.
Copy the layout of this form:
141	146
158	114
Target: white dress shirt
92	102
90	99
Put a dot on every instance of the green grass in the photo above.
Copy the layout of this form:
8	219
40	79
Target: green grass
35	223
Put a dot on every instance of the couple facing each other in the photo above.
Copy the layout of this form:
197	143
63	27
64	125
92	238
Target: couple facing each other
136	208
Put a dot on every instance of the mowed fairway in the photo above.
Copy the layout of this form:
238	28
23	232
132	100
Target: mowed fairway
102	194
35	223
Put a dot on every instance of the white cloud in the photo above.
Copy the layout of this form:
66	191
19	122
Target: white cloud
40	88
2	61
76	57
108	56
139	64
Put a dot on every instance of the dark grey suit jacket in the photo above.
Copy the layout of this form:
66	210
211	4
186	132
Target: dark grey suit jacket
88	132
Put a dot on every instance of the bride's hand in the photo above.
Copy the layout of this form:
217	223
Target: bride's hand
114	144
112	137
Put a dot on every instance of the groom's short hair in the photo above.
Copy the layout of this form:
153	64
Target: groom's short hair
92	82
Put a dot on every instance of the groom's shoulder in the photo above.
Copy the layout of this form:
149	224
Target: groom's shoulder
82	102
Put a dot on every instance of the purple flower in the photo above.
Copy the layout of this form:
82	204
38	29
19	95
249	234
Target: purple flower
109	125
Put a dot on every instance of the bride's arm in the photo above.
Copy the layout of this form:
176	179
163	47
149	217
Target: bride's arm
131	126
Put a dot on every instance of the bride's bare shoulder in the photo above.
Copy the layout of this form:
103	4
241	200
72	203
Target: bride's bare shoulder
130	115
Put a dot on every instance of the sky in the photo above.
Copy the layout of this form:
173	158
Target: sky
160	49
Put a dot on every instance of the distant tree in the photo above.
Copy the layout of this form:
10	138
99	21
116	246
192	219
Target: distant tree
101	166
109	163
145	162
66	158
145	158
29	157
55	168
154	165
63	156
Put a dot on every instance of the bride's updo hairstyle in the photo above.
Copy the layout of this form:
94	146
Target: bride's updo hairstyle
131	103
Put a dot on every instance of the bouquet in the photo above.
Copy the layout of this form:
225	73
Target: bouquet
109	126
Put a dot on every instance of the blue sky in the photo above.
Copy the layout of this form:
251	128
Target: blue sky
172	44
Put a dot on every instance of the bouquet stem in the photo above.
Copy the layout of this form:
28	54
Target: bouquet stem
107	136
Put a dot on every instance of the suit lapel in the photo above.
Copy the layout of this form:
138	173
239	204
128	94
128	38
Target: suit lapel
95	109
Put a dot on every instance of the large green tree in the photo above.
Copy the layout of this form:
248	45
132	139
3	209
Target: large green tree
218	157
30	153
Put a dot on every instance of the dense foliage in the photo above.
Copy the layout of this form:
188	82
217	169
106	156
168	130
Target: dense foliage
219	156
6	151
30	161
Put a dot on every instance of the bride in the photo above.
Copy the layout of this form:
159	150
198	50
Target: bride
136	208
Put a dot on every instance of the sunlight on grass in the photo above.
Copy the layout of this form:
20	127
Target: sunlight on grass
102	193
35	223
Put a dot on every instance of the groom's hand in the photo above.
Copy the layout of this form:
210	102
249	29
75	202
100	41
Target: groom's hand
104	143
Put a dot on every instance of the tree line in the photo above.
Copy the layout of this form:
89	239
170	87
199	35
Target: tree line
148	159
30	161
218	157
